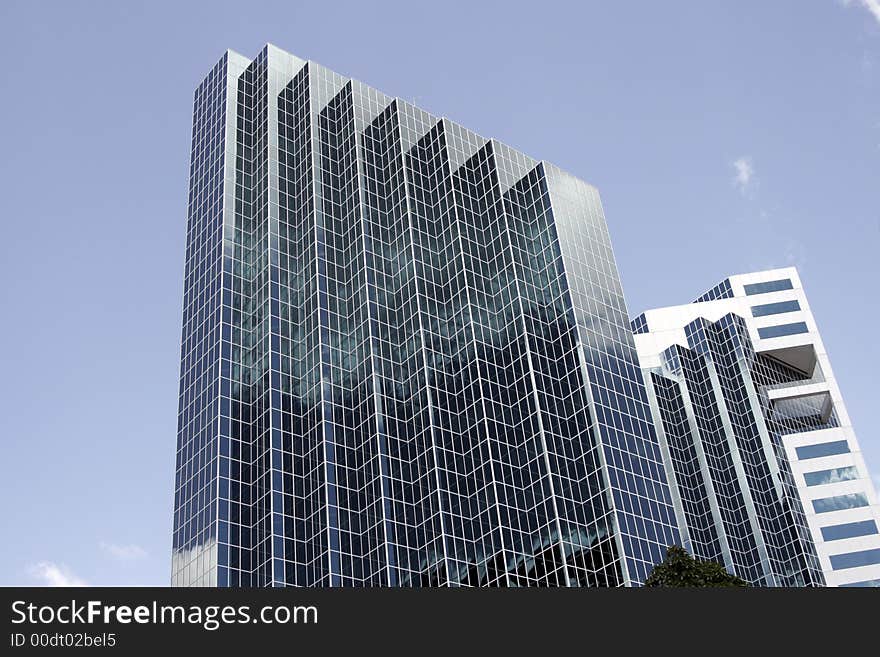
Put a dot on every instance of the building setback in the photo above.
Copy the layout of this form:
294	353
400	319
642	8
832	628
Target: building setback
406	356
765	470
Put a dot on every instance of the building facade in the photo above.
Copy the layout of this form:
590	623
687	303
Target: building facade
766	473
406	355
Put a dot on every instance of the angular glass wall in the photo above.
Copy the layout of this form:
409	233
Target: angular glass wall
422	372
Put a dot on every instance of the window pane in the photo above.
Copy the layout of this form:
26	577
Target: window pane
851	501
832	476
855	559
849	530
775	308
768	286
782	329
822	449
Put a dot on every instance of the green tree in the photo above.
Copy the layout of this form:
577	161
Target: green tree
681	569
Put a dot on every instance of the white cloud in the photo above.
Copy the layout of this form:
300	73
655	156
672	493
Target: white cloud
53	574
871	5
745	174
123	552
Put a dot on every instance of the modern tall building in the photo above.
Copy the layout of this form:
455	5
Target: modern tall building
765	470
406	356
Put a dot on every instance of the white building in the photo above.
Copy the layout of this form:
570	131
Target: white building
766	472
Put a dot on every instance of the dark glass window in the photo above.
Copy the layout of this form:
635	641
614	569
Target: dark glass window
720	291
782	329
855	559
822	449
775	308
639	324
768	286
849	530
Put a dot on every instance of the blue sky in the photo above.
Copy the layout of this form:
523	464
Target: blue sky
723	136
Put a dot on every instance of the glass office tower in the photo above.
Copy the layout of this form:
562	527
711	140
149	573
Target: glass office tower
406	356
765	470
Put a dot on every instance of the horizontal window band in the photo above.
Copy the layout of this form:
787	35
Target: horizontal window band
855	559
775	308
832	476
822	449
781	330
849	530
868	584
768	286
840	502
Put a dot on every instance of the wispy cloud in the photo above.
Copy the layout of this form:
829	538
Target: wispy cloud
49	573
123	552
872	6
795	254
744	177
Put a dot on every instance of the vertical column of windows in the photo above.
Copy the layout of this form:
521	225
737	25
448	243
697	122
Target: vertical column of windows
194	560
630	456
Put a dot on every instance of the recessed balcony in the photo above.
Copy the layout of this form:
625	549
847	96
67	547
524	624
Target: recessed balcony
801	357
808	400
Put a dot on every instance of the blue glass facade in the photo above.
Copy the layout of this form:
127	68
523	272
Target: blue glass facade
406	354
197	498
